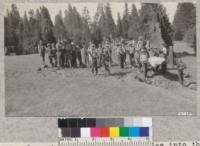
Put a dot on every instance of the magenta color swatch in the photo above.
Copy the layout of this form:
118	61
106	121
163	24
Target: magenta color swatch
95	132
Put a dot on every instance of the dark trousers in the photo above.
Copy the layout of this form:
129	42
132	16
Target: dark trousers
180	76
59	59
79	58
51	61
43	58
131	56
122	58
106	65
68	61
62	60
94	65
74	63
144	69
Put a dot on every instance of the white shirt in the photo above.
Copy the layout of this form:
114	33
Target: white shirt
164	50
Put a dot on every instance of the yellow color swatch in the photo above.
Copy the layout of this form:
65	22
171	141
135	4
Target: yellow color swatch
114	131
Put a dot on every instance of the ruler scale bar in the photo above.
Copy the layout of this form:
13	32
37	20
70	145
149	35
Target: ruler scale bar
136	131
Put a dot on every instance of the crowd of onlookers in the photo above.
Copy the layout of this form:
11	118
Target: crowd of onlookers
140	54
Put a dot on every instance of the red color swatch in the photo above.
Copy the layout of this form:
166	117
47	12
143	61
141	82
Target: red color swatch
105	132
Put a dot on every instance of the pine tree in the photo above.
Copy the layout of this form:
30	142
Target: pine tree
69	21
119	26
34	31
26	34
155	25
133	31
184	18
46	26
126	21
97	29
86	25
6	36
60	31
73	23
109	27
165	25
38	28
12	28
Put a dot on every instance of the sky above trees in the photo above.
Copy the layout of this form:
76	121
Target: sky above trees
116	7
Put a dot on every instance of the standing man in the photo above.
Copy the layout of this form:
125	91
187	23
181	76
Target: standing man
109	48
78	54
100	52
50	54
68	55
74	63
122	53
94	55
42	51
62	57
139	47
58	53
105	60
54	54
89	52
131	52
144	60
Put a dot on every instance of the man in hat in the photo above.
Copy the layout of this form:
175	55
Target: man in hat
105	60
109	48
89	52
94	55
144	60
59	53
54	54
74	63
50	54
131	51
68	54
78	54
140	45
122	54
42	51
62	57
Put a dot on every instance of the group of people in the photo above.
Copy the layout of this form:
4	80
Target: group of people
139	53
60	55
67	54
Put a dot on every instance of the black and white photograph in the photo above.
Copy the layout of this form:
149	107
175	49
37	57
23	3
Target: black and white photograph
100	59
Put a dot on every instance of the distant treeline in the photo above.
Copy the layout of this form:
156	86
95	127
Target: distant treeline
22	33
184	23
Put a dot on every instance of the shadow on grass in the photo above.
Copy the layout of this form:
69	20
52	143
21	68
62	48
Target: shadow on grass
171	76
168	75
120	73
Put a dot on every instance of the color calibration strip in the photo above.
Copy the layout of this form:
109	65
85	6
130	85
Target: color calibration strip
105	127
